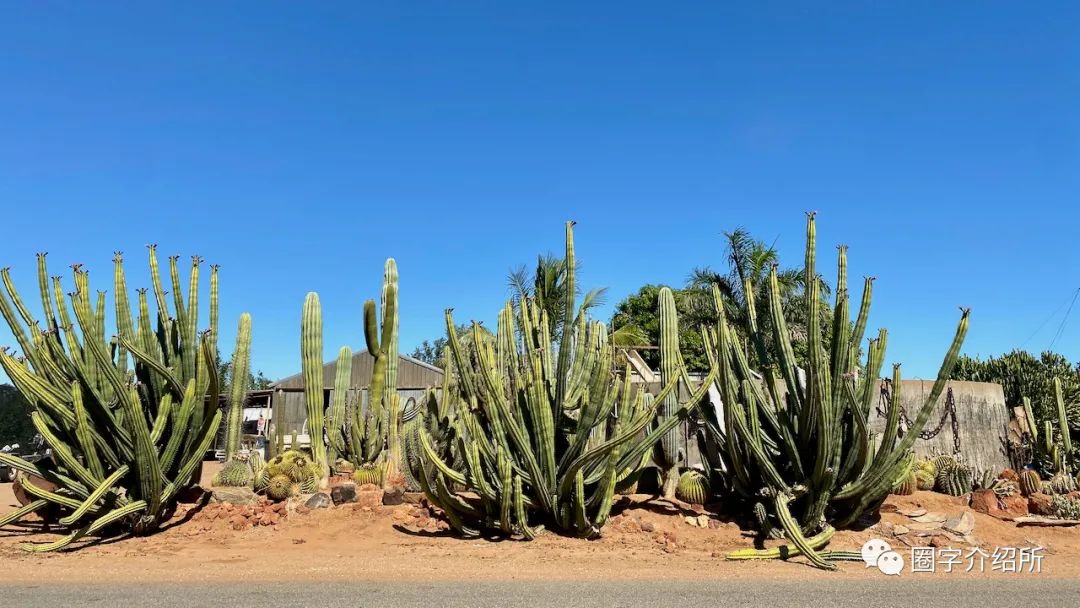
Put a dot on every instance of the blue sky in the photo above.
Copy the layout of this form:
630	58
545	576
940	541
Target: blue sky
299	144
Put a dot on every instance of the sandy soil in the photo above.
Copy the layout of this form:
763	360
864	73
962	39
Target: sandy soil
352	544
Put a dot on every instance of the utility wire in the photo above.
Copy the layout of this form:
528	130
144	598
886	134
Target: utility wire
1061	328
1043	324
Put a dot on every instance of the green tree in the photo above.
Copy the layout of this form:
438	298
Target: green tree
547	286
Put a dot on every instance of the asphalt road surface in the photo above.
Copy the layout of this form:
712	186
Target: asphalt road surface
907	593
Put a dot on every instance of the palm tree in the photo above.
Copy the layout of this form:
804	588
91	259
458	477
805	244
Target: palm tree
547	287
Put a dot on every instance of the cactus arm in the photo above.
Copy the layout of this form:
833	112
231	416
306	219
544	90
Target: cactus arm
113	516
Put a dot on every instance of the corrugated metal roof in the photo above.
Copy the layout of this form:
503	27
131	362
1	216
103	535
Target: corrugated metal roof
412	373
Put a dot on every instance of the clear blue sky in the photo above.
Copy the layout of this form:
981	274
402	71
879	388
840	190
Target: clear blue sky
299	144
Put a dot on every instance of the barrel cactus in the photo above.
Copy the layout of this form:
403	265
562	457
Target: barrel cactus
279	488
1030	482
693	487
369	474
942	461
955	479
907	485
1061	483
234	473
925	479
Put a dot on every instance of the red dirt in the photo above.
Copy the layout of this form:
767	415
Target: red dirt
646	540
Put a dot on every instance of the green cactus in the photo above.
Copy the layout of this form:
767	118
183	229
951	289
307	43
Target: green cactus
256	462
370	473
545	430
906	485
1030	483
1065	508
799	438
925	479
1061	483
358	434
126	417
1063	425
942	461
669	453
279	488
693	487
311	352
955	479
234	473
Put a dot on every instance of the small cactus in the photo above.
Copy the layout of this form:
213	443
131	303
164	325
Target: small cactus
925	479
369	473
1065	508
693	487
954	479
1061	483
907	485
942	461
279	488
235	474
1030	483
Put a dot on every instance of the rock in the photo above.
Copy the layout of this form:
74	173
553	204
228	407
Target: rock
692	521
343	493
930	518
984	501
234	496
303	510
647	526
394	496
961	525
1009	475
1039	504
414	498
899	530
914	513
703	521
318	501
369	497
1014	506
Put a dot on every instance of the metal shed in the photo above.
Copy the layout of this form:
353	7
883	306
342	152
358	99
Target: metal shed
287	394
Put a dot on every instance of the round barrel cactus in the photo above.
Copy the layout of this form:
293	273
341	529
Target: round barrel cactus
1030	482
693	487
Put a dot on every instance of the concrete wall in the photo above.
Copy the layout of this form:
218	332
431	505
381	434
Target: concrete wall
981	414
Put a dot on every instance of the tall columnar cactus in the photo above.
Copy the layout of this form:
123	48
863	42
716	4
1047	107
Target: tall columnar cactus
544	432
311	352
1063	424
235	472
669	453
357	434
797	438
380	333
126	417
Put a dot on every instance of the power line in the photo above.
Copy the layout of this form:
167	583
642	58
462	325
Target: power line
1043	324
1061	328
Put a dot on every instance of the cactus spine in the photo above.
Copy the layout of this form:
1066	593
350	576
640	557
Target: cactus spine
311	352
669	453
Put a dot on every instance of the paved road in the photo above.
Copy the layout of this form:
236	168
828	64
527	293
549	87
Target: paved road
905	593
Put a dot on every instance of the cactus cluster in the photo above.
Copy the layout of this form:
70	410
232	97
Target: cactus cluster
370	473
1064	507
359	433
925	475
798	438
126	417
294	467
544	430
